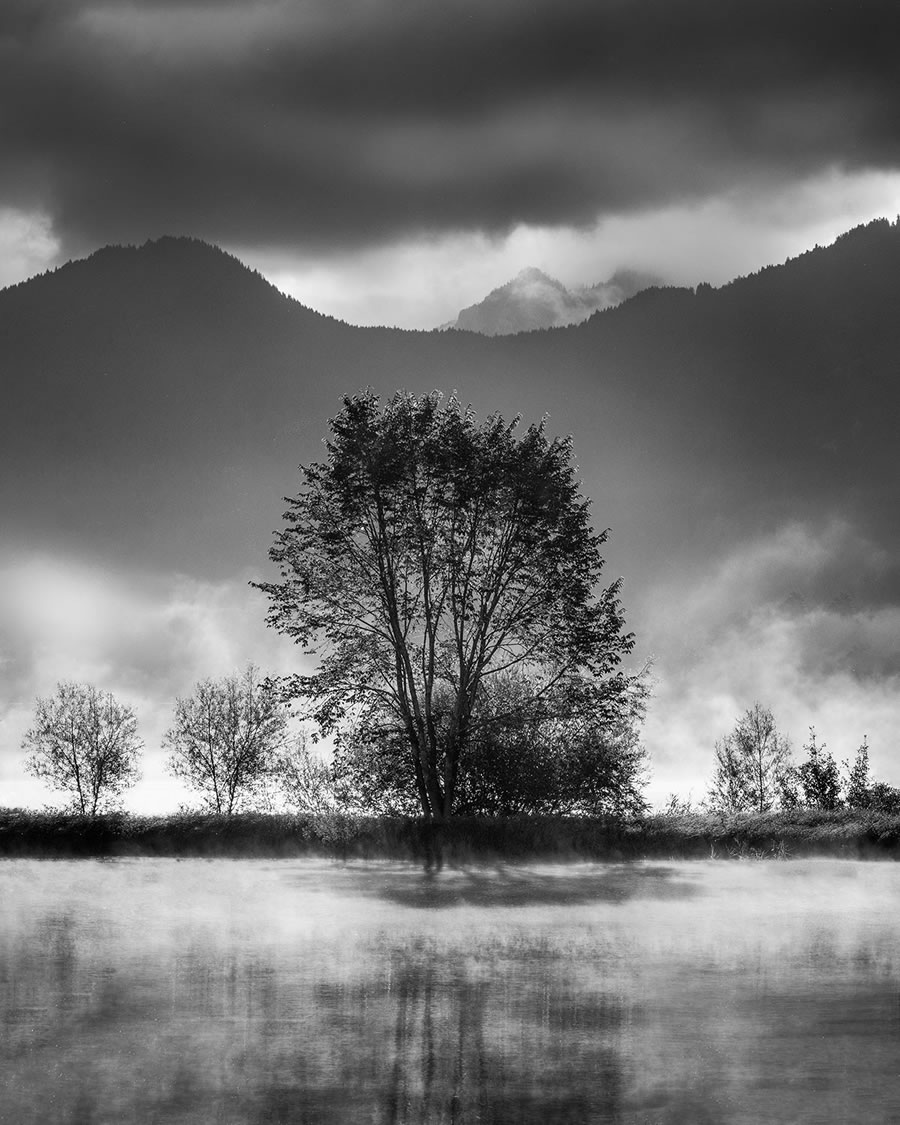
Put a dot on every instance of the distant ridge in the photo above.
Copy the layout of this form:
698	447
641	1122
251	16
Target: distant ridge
533	300
181	391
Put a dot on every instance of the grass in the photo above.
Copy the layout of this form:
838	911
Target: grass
848	833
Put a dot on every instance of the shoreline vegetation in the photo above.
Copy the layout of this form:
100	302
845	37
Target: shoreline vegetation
794	834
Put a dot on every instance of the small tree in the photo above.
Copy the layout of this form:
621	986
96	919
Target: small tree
858	781
85	744
728	790
224	739
751	764
305	781
428	554
818	776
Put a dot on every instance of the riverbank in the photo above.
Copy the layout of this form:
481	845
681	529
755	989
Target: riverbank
803	833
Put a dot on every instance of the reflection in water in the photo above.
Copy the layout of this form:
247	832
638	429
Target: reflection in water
503	886
155	991
467	1037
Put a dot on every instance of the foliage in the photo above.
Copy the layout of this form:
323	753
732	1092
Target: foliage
676	805
371	767
752	764
224	737
85	744
864	793
557	754
804	832
884	798
818	776
304	779
858	781
561	753
428	554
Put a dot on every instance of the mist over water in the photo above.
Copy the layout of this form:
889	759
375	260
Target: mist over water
310	991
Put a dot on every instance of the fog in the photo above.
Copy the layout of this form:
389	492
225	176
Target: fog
159	990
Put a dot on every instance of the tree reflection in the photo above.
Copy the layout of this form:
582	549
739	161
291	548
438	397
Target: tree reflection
488	1041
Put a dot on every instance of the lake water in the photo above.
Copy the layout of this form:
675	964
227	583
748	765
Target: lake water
144	991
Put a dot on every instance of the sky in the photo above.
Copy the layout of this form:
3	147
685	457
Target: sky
391	163
394	162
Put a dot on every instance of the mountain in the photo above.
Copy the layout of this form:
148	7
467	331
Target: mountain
157	400
740	443
534	300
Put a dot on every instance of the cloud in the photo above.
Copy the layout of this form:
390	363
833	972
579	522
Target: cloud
146	639
424	282
803	620
321	125
27	244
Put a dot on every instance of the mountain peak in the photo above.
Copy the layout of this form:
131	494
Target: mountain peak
535	300
532	275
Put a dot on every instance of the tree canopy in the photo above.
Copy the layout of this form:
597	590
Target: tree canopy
560	754
752	764
84	743
224	739
426	556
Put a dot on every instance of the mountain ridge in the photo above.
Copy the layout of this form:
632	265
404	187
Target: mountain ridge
181	390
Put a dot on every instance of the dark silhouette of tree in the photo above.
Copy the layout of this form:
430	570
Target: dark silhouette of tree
560	753
858	780
884	798
751	765
862	792
818	776
224	739
428	554
85	744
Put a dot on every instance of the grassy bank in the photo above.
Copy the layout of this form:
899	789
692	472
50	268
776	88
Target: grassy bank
800	833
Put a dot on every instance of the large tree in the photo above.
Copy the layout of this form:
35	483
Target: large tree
84	743
428	554
224	739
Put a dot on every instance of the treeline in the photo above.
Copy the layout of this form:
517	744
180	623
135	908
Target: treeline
847	834
755	771
223	742
232	744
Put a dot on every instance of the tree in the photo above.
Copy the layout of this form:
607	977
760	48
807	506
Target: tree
561	753
305	780
553	754
85	744
864	793
371	766
751	764
858	780
818	776
884	798
426	555
224	738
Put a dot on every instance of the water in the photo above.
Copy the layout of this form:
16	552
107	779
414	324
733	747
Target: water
143	991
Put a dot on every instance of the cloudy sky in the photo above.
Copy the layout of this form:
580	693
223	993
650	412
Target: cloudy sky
391	163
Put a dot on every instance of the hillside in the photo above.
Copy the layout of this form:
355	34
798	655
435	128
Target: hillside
181	390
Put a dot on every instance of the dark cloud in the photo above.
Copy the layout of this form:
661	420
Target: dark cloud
313	127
